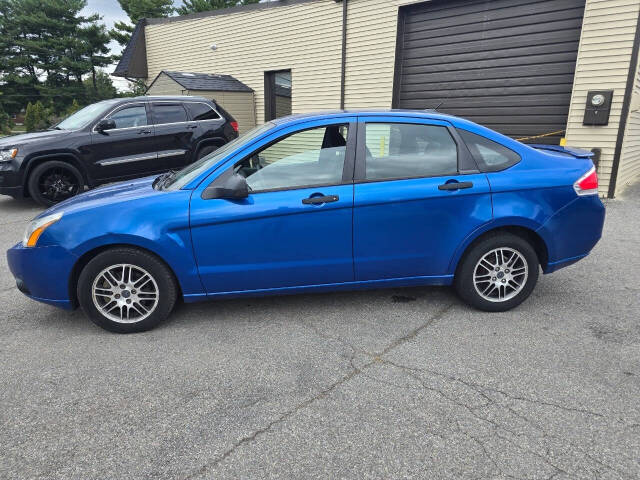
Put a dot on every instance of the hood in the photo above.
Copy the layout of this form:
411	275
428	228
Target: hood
23	138
121	192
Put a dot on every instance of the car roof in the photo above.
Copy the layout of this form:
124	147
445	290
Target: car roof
170	98
430	114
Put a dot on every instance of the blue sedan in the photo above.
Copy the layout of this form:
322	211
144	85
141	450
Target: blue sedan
322	202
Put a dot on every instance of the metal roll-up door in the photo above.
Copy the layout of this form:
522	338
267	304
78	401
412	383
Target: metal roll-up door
506	64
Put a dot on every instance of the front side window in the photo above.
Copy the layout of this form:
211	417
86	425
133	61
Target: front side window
491	155
168	113
306	158
201	111
406	150
134	116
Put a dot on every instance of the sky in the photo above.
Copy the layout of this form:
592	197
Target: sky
111	12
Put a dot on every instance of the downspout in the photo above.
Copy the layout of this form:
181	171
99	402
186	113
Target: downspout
633	65
343	72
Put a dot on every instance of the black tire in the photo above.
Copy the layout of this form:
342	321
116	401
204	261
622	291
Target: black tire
54	181
464	280
206	150
139	259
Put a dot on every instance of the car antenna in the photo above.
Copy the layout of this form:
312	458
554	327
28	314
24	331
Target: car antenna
438	106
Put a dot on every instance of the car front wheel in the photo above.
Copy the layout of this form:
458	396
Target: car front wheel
498	273
125	290
54	181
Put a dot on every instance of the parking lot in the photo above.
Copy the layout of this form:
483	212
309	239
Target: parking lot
403	383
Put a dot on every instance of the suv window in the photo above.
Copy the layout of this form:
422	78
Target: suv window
407	150
133	116
168	113
490	155
201	111
306	158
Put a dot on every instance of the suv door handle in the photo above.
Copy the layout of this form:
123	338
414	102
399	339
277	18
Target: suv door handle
320	200
192	126
455	185
144	132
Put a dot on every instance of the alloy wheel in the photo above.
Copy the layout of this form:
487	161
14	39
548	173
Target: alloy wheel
125	293
500	274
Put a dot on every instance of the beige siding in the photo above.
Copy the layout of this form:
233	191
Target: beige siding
305	38
629	170
603	64
239	104
371	52
165	85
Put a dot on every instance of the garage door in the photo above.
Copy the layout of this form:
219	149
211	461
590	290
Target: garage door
507	64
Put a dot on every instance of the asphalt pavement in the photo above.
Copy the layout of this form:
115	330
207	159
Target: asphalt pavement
401	383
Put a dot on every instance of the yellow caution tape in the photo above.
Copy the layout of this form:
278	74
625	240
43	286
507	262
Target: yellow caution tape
550	134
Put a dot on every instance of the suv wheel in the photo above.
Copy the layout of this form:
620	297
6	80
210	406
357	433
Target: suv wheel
125	290
498	273
53	182
206	150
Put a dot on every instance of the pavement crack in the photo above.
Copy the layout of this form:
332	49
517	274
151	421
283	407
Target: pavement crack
320	395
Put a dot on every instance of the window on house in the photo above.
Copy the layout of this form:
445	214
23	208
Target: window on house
277	94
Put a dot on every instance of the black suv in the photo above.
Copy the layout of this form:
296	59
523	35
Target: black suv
109	141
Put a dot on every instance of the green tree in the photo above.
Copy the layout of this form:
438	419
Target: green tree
47	47
30	118
192	6
136	10
100	87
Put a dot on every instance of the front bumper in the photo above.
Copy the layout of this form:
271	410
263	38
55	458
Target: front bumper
43	273
11	181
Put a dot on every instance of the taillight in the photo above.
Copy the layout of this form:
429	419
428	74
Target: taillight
234	125
587	184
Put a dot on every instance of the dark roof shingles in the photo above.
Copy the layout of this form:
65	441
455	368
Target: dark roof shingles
208	81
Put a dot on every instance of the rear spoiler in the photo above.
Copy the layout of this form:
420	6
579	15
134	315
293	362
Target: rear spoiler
568	151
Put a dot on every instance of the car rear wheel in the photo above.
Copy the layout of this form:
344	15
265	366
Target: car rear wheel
204	151
498	273
125	290
53	182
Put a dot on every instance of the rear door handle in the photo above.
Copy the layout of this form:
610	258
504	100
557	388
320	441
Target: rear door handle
455	185
144	132
192	126
320	200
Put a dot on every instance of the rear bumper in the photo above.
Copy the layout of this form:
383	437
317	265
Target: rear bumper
42	273
573	231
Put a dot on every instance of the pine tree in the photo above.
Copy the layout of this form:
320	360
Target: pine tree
191	6
136	10
29	118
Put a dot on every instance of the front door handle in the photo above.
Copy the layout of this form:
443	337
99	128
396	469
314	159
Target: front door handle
320	200
455	185
192	126
144	132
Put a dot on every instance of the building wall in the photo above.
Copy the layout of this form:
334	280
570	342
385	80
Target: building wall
239	104
165	85
629	170
303	37
604	60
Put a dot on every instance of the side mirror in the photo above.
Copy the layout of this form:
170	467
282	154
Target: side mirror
234	188
106	124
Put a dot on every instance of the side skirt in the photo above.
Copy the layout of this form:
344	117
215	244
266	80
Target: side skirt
443	280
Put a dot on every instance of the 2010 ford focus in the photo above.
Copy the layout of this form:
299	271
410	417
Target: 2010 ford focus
315	203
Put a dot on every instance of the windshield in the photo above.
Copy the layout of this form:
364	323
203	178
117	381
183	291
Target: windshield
187	174
82	117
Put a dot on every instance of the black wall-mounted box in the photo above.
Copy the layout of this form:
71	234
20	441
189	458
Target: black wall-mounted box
598	108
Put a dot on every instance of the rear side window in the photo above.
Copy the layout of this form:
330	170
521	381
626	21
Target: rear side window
201	111
490	155
168	113
407	150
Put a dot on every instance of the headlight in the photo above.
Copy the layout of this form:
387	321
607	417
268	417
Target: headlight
8	155
37	226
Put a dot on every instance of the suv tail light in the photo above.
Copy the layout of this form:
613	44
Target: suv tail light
234	125
587	184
